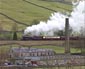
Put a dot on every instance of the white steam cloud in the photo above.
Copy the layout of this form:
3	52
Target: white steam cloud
57	22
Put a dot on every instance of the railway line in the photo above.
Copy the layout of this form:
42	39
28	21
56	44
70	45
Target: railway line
39	42
31	42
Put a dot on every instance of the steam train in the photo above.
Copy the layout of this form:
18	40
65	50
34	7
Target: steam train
48	38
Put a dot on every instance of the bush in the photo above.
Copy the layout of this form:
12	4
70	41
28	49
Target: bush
14	35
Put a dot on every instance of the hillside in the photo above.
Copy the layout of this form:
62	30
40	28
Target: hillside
23	11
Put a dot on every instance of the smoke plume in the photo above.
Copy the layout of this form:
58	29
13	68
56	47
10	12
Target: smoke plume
56	22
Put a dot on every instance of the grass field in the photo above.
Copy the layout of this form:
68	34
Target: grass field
26	13
57	49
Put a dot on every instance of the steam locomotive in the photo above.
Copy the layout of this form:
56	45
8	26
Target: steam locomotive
48	38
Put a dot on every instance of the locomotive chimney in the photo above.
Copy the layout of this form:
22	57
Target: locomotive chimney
67	47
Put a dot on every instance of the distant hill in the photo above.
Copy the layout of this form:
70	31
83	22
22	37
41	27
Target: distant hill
20	11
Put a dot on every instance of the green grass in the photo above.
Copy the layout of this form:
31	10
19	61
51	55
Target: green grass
4	49
57	49
26	13
7	24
